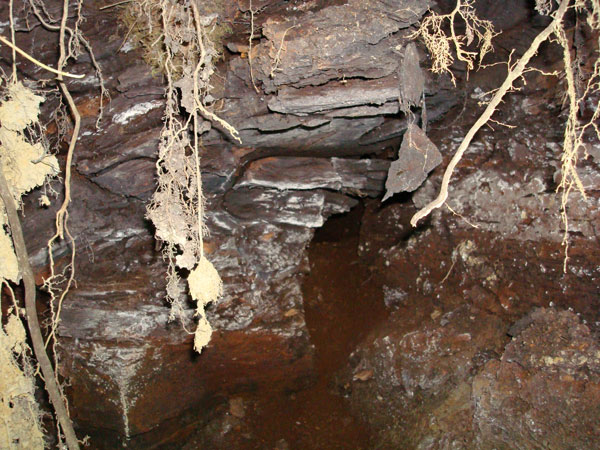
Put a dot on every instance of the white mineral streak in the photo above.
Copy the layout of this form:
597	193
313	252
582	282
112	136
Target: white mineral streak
139	109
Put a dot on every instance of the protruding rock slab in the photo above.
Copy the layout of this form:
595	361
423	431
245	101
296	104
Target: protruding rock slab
325	139
416	158
354	176
335	42
412	81
302	208
342	95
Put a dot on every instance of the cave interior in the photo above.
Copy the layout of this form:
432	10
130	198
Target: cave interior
341	324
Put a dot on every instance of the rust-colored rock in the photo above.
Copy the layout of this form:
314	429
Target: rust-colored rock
411	379
545	391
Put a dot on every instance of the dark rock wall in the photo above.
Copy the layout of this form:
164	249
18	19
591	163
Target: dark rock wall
491	344
333	96
317	137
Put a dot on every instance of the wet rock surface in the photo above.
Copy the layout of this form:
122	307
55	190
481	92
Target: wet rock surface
124	360
318	139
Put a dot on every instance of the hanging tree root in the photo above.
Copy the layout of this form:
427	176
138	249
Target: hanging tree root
39	63
438	43
52	387
514	72
62	215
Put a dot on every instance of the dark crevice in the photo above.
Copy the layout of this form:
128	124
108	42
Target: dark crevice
342	303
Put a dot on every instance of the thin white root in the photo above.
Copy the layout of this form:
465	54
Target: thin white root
39	63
